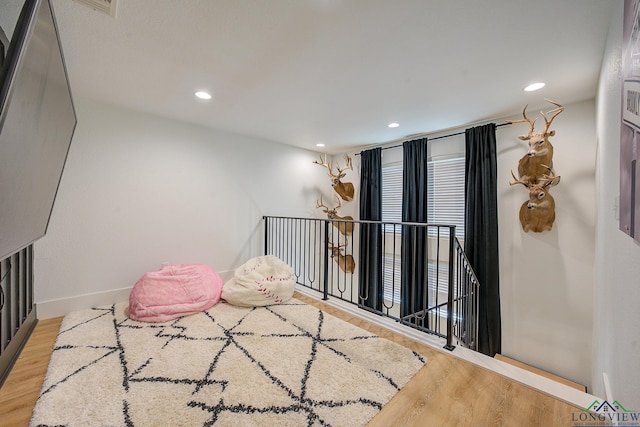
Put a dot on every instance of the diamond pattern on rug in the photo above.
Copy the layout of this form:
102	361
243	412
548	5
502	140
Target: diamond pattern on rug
286	364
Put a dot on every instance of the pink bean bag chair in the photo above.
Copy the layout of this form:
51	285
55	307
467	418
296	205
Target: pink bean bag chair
174	291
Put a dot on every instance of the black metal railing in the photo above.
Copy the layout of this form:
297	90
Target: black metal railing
433	289
466	301
17	307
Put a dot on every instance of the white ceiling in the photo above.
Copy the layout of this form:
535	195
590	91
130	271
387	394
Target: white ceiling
334	71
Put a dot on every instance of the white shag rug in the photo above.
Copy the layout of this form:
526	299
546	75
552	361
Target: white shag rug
281	365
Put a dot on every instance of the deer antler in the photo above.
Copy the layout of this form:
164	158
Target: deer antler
347	164
339	204
555	112
320	204
323	163
551	174
549	180
532	123
517	181
342	246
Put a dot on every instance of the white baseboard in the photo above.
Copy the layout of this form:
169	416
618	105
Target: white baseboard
62	306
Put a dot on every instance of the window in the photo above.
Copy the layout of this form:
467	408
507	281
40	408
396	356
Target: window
392	195
445	194
391	278
445	199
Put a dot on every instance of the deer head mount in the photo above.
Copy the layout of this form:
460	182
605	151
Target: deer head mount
539	158
535	170
538	213
345	262
346	228
344	189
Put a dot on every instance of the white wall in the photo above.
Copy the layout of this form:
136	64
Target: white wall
546	279
616	335
139	190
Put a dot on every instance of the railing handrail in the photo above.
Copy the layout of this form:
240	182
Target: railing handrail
474	297
365	221
466	260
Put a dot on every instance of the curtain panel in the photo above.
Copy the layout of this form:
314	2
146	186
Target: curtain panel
481	225
414	295
370	284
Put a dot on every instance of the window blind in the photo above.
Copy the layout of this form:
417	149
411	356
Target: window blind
445	198
392	194
445	193
391	278
438	276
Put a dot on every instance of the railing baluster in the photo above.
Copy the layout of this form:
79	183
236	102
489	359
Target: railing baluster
17	308
325	295
450	346
298	242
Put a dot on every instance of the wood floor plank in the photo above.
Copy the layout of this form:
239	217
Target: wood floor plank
20	390
447	391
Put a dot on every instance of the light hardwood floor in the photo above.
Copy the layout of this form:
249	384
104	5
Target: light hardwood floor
20	390
446	392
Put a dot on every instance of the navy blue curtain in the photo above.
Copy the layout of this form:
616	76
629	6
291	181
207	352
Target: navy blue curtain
370	262
414	278
481	227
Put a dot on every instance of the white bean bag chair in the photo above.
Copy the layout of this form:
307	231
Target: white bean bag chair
174	291
261	281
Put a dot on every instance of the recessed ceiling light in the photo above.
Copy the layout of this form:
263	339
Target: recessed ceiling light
203	94
393	125
320	145
534	86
